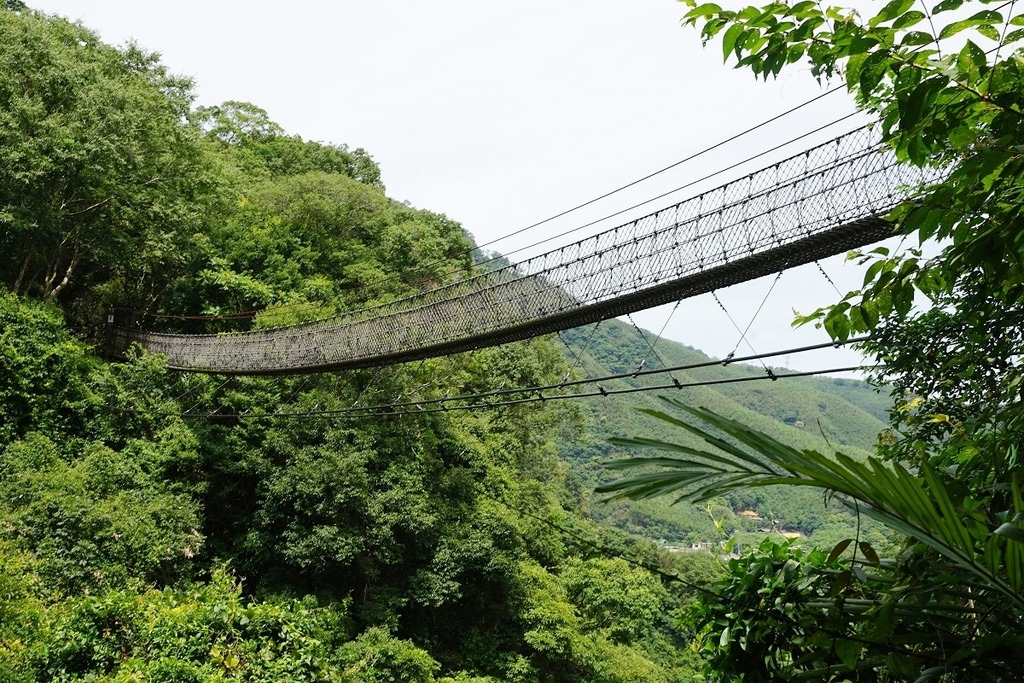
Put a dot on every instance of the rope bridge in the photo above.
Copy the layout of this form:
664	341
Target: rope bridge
822	202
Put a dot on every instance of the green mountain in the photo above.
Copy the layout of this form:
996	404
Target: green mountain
822	413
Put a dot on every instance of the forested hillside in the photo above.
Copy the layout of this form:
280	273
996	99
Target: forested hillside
176	527
822	413
138	544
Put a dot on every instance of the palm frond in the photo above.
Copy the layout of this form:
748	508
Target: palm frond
916	504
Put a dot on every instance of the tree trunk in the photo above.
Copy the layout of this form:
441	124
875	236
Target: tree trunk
52	293
24	269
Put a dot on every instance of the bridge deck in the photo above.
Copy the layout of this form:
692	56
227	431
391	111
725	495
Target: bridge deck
822	202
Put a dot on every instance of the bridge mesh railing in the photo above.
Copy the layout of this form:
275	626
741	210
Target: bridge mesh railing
823	201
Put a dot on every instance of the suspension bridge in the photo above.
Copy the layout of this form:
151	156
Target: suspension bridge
824	201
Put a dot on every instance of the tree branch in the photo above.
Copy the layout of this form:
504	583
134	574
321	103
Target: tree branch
51	295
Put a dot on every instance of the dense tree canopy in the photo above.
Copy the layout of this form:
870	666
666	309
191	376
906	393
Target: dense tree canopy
946	85
261	147
98	175
137	544
178	527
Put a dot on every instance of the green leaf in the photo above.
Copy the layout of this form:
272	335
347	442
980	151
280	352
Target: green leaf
961	137
916	504
705	10
955	27
729	40
1011	531
908	20
848	652
891	10
838	326
838	550
806	29
983	17
857	321
915	104
795	53
989	31
970	61
872	272
916	38
869	553
947	6
871	72
869	309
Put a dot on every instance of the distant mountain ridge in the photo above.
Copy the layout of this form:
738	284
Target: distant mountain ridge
827	414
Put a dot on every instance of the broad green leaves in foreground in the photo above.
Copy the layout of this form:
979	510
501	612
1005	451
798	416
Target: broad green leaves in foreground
945	85
973	587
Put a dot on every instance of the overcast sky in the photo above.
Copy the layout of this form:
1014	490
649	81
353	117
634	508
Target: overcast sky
500	115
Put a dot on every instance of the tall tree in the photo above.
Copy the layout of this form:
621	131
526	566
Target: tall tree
99	174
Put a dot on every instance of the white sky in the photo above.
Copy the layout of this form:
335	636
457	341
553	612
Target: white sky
502	114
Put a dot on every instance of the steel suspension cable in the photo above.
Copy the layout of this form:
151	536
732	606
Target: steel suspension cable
444	404
402	409
687	159
663	195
